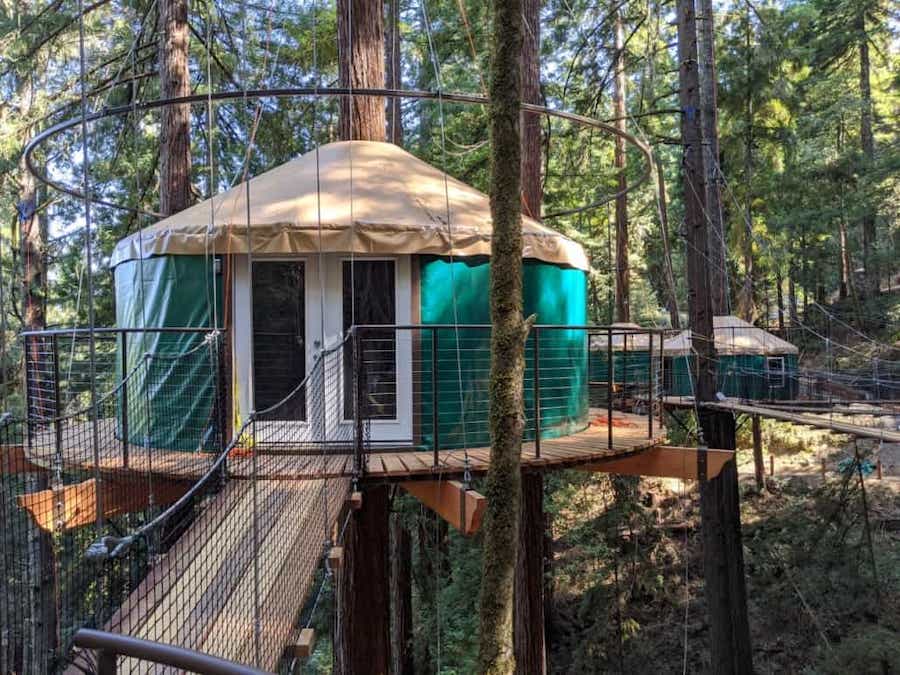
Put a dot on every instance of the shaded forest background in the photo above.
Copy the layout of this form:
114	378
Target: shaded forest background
809	158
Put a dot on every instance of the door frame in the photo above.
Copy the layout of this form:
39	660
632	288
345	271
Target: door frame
399	430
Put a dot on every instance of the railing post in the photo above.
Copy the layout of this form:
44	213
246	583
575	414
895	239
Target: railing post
358	402
434	397
662	378
106	662
125	431
536	345
57	412
650	388
609	387
624	368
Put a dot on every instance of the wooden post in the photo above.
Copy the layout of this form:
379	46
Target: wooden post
401	598
878	469
362	641
771	465
758	462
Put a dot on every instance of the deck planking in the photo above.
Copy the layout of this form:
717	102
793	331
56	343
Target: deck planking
590	444
200	595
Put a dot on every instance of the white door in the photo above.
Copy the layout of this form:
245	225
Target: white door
374	291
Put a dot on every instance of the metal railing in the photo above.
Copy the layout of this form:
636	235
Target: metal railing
426	387
110	646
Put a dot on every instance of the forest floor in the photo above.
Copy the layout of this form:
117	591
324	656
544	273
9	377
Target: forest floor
628	592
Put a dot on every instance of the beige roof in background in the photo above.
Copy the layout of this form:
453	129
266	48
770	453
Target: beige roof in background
633	341
368	197
733	336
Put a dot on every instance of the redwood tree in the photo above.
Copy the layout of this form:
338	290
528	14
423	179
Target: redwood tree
725	587
509	329
362	636
361	57
530	602
175	125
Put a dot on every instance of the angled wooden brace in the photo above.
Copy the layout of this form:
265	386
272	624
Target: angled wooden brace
460	507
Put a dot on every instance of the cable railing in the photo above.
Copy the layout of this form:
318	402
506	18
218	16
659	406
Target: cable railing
180	527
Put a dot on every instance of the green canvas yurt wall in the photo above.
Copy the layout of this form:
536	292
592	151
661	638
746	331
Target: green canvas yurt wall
740	376
175	388
458	292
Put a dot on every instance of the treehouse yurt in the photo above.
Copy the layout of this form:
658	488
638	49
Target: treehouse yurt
633	356
752	363
350	234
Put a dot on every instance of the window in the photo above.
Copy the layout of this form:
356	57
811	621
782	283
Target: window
369	299
775	370
279	337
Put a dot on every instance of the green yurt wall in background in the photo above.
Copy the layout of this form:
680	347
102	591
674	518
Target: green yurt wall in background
458	292
739	376
177	384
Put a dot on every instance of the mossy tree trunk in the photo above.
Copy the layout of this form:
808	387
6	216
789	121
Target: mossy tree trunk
507	419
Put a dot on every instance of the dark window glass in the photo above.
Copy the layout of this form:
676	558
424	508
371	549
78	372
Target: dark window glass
369	299
279	338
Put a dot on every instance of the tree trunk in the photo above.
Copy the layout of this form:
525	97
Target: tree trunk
720	512
718	264
532	189
362	639
759	464
747	305
175	120
779	298
393	72
507	419
530	645
672	303
623	278
529	633
40	633
401	598
867	141
361	57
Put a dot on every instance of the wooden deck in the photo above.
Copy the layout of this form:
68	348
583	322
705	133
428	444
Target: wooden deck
200	594
817	421
630	434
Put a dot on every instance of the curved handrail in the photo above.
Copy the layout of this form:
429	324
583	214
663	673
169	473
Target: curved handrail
341	92
112	645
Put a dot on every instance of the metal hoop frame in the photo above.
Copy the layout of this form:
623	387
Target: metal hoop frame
292	92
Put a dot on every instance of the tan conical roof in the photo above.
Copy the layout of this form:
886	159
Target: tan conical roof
360	196
733	336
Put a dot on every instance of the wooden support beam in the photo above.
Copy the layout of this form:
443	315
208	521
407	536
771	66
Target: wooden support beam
462	508
664	461
76	505
354	501
13	460
301	646
336	557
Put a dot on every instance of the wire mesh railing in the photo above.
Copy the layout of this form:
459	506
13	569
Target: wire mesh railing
142	514
145	514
